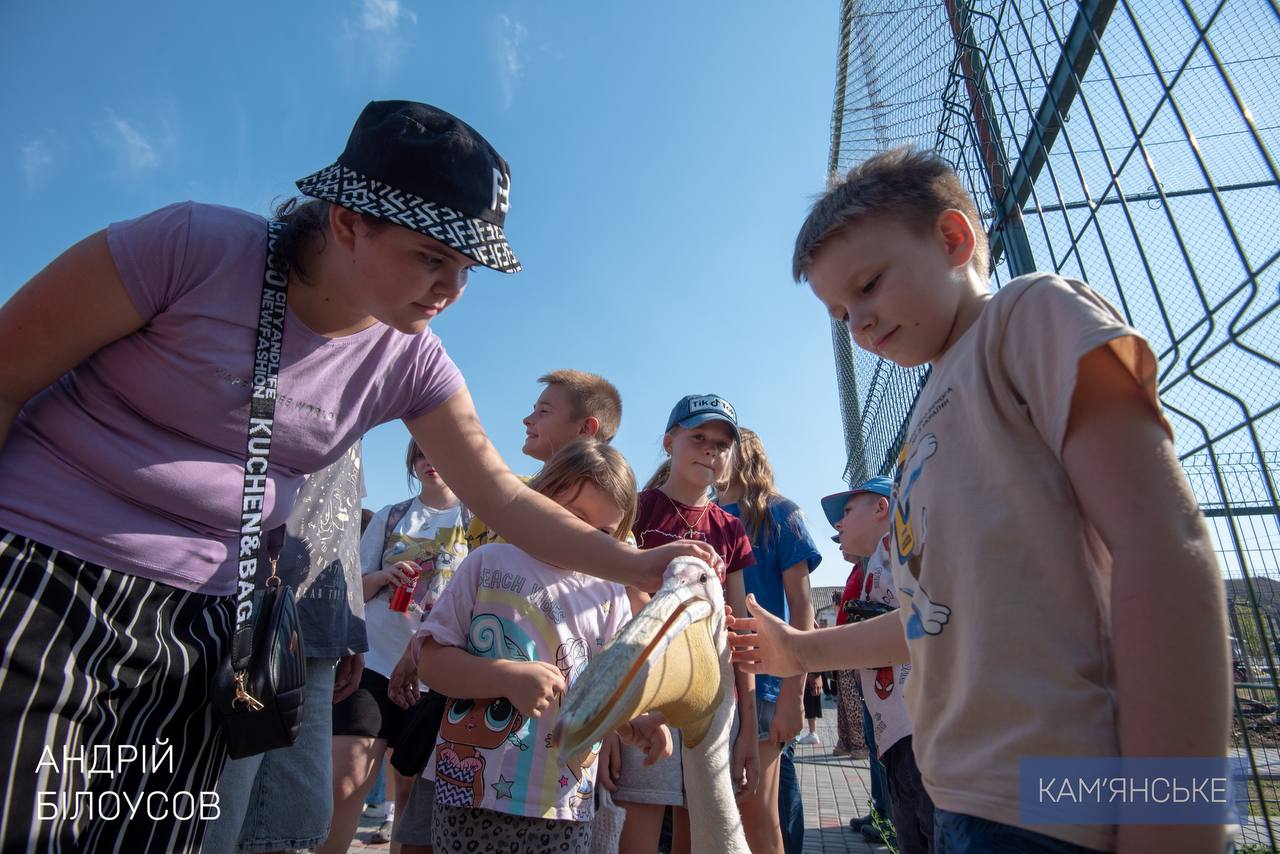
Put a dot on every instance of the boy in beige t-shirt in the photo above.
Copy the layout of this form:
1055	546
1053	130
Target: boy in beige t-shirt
1059	590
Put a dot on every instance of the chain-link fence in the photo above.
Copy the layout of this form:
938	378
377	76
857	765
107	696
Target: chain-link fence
1131	145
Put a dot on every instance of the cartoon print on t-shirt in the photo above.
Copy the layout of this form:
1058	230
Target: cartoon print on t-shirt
470	726
885	680
467	728
572	659
435	557
909	535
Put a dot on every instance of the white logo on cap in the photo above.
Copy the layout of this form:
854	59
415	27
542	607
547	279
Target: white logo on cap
501	192
699	404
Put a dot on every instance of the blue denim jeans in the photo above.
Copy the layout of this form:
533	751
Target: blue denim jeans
956	833
282	798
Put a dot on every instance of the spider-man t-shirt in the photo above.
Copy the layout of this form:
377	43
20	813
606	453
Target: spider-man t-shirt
661	519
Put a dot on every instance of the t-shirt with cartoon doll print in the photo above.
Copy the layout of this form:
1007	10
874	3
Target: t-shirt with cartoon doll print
434	540
502	603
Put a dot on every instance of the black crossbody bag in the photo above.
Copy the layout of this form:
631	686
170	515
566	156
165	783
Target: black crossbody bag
259	689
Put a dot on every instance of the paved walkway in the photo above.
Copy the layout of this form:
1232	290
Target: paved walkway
834	790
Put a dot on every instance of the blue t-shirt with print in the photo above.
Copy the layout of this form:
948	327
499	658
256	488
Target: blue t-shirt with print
788	543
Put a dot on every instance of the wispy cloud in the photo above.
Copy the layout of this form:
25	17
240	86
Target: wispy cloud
511	38
136	153
378	37
37	162
381	16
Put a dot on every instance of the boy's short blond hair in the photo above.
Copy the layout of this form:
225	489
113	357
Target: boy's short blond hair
591	396
914	187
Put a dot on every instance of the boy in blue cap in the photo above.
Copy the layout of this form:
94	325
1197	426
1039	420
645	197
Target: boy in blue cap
1060	591
861	516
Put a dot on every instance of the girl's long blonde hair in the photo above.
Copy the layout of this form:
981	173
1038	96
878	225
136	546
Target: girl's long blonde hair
752	476
599	462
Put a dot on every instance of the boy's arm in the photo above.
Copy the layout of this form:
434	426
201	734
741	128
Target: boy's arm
531	686
772	646
1168	625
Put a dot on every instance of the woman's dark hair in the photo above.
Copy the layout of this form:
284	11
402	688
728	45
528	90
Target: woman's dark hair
411	456
306	221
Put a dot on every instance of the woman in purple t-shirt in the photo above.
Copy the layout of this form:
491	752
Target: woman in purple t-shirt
125	371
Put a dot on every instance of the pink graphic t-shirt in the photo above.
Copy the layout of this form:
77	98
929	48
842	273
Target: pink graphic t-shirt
502	603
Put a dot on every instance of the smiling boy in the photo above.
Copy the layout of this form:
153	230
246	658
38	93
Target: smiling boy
1059	590
574	404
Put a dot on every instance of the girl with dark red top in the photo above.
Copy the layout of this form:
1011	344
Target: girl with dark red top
701	433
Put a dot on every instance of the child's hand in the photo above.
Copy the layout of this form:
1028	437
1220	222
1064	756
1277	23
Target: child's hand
788	719
401	574
534	686
648	732
764	644
745	769
402	685
609	762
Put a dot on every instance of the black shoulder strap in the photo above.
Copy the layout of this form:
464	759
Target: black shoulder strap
262	410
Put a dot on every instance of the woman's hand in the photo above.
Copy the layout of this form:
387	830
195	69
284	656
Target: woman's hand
745	768
648	732
346	676
765	644
534	686
652	563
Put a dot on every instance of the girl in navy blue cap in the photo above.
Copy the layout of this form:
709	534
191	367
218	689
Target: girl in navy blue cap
675	506
127	371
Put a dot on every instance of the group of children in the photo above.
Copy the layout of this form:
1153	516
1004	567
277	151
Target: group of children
1024	562
499	636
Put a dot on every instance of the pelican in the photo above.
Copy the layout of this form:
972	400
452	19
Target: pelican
672	657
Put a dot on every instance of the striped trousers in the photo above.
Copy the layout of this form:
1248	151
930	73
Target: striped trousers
108	742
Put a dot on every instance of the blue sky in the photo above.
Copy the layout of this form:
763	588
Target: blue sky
662	158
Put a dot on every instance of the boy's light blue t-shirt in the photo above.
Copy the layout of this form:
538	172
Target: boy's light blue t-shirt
789	543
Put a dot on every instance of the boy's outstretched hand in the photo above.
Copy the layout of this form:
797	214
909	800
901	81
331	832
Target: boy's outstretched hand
765	644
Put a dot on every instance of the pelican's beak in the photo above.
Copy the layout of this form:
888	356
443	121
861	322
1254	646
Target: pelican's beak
667	658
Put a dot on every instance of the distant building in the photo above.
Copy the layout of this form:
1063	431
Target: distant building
823	605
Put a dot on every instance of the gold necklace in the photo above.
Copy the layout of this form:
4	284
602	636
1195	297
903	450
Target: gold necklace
690	529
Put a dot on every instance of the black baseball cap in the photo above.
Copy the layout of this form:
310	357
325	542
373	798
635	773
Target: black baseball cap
420	167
